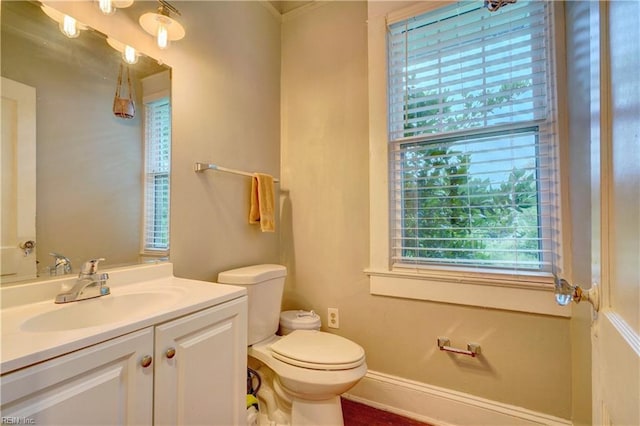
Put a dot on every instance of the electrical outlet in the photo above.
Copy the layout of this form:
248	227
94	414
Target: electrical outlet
334	318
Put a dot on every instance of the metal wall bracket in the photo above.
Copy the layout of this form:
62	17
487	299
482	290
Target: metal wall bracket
473	349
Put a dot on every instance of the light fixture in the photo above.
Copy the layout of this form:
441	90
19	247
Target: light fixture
67	24
162	26
129	54
108	7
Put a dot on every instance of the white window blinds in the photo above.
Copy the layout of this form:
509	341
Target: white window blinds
462	67
157	169
471	138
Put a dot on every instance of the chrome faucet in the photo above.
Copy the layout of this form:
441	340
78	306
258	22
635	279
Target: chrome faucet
89	284
61	266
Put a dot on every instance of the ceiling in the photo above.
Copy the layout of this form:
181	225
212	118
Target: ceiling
287	6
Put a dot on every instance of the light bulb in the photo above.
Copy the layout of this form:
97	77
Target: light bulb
164	28
69	27
106	6
162	35
130	55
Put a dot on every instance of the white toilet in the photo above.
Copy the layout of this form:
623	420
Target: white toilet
304	372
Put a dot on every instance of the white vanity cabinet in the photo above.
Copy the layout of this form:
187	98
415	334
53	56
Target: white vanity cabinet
196	376
198	360
104	384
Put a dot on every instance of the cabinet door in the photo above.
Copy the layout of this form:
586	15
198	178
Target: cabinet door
101	385
200	376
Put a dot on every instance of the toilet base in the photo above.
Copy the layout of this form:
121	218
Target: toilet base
281	408
317	413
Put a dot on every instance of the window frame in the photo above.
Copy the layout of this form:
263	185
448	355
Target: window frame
531	292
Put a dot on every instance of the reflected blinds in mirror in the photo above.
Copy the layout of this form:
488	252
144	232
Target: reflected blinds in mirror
157	169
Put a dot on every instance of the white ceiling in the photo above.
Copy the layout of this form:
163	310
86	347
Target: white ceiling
287	6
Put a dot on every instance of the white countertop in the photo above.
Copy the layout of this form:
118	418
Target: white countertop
21	348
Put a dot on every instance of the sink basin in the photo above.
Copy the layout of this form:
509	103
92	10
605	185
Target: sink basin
100	311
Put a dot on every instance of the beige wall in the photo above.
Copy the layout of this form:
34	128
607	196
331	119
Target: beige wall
325	242
226	99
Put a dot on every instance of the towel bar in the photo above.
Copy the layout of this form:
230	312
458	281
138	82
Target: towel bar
201	167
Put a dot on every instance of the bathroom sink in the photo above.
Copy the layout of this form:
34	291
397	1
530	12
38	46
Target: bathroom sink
100	311
33	328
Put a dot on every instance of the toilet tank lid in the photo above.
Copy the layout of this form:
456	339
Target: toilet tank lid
252	274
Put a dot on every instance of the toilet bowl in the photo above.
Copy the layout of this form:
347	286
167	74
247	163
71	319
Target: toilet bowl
303	372
309	376
307	385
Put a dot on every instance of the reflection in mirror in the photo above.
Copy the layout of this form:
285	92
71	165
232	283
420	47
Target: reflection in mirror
91	184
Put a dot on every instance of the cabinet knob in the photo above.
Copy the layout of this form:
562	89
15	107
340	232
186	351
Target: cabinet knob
146	361
170	353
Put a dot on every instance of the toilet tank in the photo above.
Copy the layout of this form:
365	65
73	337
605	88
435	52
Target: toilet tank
264	284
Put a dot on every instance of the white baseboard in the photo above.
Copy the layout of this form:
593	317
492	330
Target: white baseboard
440	406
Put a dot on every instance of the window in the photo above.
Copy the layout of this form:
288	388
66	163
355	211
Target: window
471	139
156	180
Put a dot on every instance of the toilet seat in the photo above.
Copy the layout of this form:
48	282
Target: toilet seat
318	350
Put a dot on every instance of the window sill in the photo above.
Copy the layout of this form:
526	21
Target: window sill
482	291
151	256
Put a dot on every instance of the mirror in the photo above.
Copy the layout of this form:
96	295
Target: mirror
87	165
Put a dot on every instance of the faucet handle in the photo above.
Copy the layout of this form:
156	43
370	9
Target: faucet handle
90	266
60	261
58	257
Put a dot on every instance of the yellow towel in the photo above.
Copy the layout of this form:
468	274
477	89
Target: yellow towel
262	202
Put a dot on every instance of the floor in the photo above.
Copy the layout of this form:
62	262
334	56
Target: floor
356	414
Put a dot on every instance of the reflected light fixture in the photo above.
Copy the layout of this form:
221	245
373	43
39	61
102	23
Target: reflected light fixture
70	27
67	24
129	54
162	26
108	7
